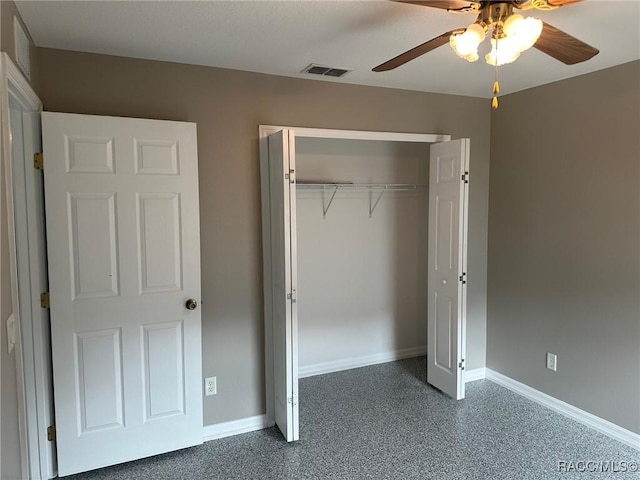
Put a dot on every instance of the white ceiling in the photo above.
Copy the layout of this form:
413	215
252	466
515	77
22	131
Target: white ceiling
282	37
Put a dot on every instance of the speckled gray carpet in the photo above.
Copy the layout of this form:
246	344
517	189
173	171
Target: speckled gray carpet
385	422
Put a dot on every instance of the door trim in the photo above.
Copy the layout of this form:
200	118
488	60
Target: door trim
33	461
263	133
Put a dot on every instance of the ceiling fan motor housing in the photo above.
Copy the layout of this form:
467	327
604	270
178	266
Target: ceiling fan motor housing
493	15
476	6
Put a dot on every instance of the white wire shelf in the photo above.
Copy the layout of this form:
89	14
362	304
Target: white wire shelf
379	188
359	186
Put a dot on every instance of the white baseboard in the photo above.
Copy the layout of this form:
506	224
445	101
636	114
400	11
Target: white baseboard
475	374
599	424
236	427
357	362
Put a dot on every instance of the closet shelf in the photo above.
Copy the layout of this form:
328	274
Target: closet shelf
380	188
359	186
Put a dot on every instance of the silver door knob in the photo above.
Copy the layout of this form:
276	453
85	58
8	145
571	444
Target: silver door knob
191	304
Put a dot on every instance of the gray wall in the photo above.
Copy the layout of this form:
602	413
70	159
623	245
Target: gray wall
9	443
228	106
564	254
362	282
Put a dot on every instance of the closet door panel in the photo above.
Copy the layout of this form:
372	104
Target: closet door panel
283	260
446	318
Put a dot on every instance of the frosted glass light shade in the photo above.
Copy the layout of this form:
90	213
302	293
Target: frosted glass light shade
503	51
523	31
466	44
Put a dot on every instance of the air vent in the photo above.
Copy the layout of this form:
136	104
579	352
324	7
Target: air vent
326	71
23	50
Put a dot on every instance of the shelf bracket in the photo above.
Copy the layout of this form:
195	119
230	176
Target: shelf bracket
325	208
372	208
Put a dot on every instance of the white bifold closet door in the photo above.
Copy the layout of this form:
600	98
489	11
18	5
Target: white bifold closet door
123	240
447	284
284	281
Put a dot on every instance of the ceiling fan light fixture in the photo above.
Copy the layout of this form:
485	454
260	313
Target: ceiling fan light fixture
466	44
524	31
511	34
504	50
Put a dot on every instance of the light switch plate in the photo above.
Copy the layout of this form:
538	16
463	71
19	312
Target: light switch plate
11	332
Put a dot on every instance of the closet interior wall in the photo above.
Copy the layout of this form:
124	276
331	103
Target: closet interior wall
362	280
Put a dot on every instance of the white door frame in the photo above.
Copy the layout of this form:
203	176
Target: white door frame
34	459
263	132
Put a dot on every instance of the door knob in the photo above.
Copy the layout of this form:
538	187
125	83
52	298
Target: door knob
191	304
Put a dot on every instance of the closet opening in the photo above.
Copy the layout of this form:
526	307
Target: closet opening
364	253
362	233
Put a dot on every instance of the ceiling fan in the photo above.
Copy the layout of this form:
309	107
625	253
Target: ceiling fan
511	34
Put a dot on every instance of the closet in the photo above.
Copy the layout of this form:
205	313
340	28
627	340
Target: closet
362	211
364	251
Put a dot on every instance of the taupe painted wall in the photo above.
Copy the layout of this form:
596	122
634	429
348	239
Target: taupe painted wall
228	106
9	443
564	242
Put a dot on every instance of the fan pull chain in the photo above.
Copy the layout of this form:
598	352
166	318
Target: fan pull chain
496	91
496	85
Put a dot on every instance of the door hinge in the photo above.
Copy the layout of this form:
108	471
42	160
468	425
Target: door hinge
465	177
292	296
463	278
293	400
44	300
290	175
38	161
461	364
51	433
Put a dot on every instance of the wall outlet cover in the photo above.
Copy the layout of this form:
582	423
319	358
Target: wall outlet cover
210	386
552	361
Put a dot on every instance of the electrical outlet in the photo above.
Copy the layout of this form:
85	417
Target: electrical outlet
210	387
552	361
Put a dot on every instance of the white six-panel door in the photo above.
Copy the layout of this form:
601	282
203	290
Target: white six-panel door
284	280
446	318
124	258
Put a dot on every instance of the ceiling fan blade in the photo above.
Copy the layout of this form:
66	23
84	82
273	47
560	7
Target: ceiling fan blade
416	52
447	4
560	3
542	4
564	47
